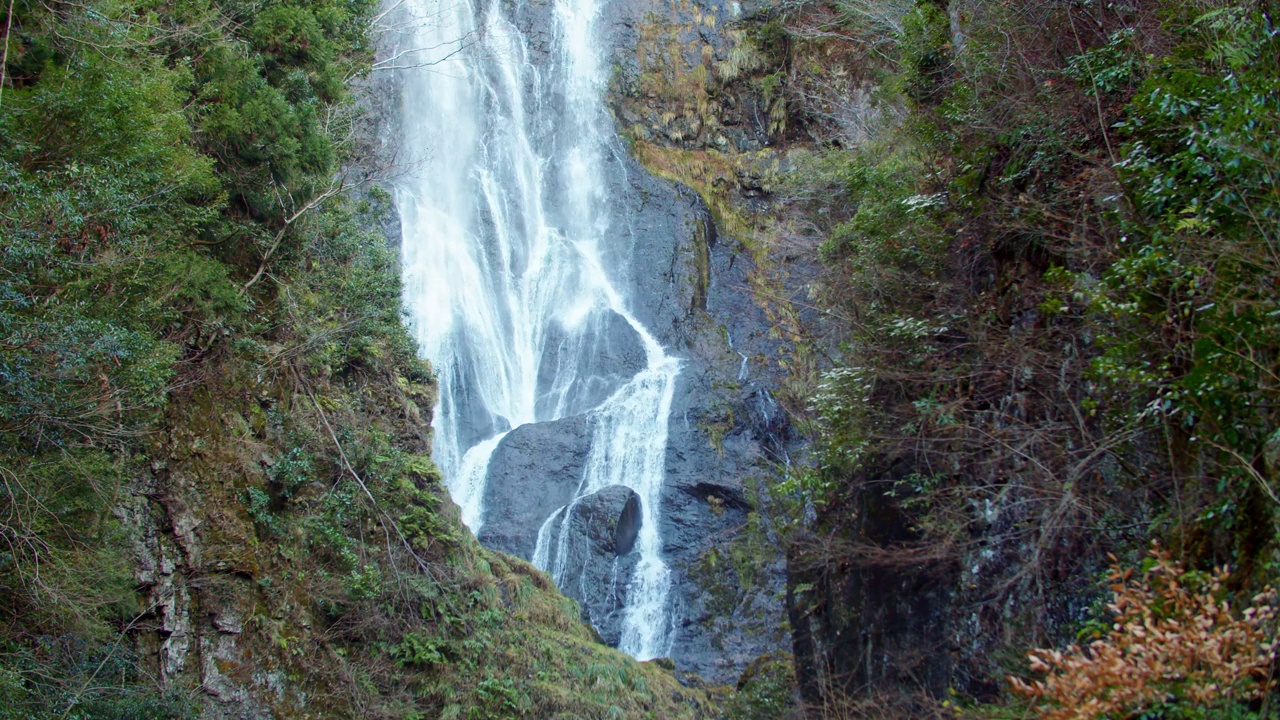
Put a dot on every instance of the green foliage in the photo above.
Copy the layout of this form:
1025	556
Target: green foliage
925	51
260	509
133	138
765	691
770	88
1195	342
888	253
1112	68
731	572
499	698
891	241
263	90
65	566
63	679
348	306
772	39
1054	286
292	471
419	517
418	650
92	241
1176	711
841	404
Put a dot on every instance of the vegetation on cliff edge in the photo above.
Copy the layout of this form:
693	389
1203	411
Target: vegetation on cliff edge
1045	327
217	495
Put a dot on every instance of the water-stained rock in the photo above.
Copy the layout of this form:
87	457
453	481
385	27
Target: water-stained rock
534	470
605	352
596	561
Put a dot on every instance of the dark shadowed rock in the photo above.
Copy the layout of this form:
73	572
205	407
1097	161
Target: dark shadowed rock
628	527
534	471
595	563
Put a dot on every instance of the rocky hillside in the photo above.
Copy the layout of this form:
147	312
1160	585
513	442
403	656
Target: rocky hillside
214	429
1020	263
981	299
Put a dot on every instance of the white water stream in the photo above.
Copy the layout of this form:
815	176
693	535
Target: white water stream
506	226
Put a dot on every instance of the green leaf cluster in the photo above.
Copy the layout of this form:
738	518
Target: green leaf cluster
1195	345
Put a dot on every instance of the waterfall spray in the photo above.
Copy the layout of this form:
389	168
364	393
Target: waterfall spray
505	222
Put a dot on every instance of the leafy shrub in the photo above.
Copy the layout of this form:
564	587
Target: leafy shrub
765	690
1176	644
419	650
1194	345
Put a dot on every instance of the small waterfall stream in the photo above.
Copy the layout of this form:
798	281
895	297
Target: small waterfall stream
507	232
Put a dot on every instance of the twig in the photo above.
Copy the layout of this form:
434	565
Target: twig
346	463
1263	485
378	18
1097	94
462	44
4	60
380	65
262	267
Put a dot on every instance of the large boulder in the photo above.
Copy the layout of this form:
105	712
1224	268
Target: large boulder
533	472
593	557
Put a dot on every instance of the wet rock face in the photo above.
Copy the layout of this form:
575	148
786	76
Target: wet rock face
611	353
533	473
726	429
689	288
598	559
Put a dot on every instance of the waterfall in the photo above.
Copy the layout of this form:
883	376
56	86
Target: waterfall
508	236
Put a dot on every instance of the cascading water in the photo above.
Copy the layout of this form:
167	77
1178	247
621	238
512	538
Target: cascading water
506	226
